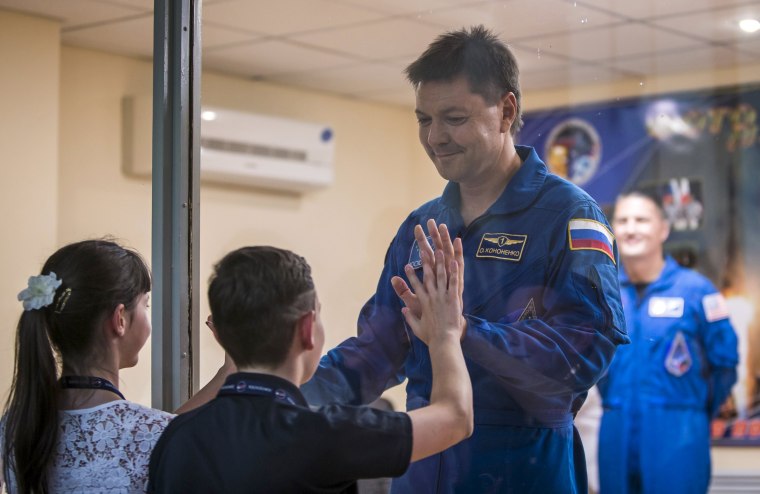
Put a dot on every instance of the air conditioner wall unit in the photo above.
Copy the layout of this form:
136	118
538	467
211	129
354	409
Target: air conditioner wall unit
241	148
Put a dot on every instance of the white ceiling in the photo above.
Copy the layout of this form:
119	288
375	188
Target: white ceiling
359	48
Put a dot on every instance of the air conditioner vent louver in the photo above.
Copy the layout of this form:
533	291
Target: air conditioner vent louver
240	148
253	149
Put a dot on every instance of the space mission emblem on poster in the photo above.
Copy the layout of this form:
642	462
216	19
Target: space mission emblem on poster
573	150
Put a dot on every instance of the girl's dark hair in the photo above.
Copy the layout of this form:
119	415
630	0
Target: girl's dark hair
97	276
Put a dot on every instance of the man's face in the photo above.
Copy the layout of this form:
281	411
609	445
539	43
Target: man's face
639	227
463	135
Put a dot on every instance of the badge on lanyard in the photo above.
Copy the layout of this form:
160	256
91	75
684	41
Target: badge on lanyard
250	387
678	361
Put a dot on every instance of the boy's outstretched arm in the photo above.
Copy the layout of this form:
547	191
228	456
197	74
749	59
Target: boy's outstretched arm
449	417
211	389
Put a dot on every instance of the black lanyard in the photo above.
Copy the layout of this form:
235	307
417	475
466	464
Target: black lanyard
89	382
247	387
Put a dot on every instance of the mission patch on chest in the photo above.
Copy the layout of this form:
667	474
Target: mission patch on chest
504	246
666	307
415	258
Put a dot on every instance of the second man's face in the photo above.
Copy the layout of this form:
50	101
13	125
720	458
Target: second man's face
462	134
639	227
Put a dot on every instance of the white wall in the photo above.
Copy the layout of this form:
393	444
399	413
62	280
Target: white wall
28	163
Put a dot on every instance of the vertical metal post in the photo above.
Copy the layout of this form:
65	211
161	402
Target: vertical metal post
176	174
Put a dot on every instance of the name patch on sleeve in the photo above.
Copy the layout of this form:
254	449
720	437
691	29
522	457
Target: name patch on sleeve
715	307
587	234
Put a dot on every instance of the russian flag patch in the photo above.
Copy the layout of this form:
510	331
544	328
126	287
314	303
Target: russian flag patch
590	235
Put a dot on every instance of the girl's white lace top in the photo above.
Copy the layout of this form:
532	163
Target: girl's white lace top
104	449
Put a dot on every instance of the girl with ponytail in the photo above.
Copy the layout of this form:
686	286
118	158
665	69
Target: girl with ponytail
66	426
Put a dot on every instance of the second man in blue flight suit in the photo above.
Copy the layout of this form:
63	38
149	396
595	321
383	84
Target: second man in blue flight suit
662	390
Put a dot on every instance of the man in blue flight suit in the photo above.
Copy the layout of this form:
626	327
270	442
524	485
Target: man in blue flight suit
661	391
541	301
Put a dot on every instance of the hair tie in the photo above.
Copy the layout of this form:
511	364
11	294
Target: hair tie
40	291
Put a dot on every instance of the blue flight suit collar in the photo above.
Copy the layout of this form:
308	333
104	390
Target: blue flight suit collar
520	192
662	281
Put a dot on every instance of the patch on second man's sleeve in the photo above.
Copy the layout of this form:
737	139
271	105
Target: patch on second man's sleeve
715	307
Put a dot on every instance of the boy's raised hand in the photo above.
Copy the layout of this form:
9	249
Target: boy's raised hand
437	299
452	251
434	312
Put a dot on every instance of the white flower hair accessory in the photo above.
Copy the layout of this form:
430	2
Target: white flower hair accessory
40	292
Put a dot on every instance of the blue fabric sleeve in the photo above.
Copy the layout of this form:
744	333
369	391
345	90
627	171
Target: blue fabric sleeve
569	346
720	347
721	381
357	371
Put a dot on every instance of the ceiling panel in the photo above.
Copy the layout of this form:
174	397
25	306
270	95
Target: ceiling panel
748	45
269	57
355	79
646	9
408	7
390	38
215	36
611	42
530	59
146	5
715	25
681	60
133	37
568	76
285	16
516	19
72	12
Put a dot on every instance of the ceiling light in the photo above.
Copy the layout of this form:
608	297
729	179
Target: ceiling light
749	25
208	115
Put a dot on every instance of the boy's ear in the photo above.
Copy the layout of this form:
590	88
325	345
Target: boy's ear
305	330
117	323
210	324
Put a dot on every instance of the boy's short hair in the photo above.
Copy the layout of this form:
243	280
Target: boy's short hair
478	55
256	296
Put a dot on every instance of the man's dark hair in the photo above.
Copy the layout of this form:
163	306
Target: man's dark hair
256	296
644	194
486	62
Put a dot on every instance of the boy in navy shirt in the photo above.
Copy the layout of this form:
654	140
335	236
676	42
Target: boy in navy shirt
259	434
